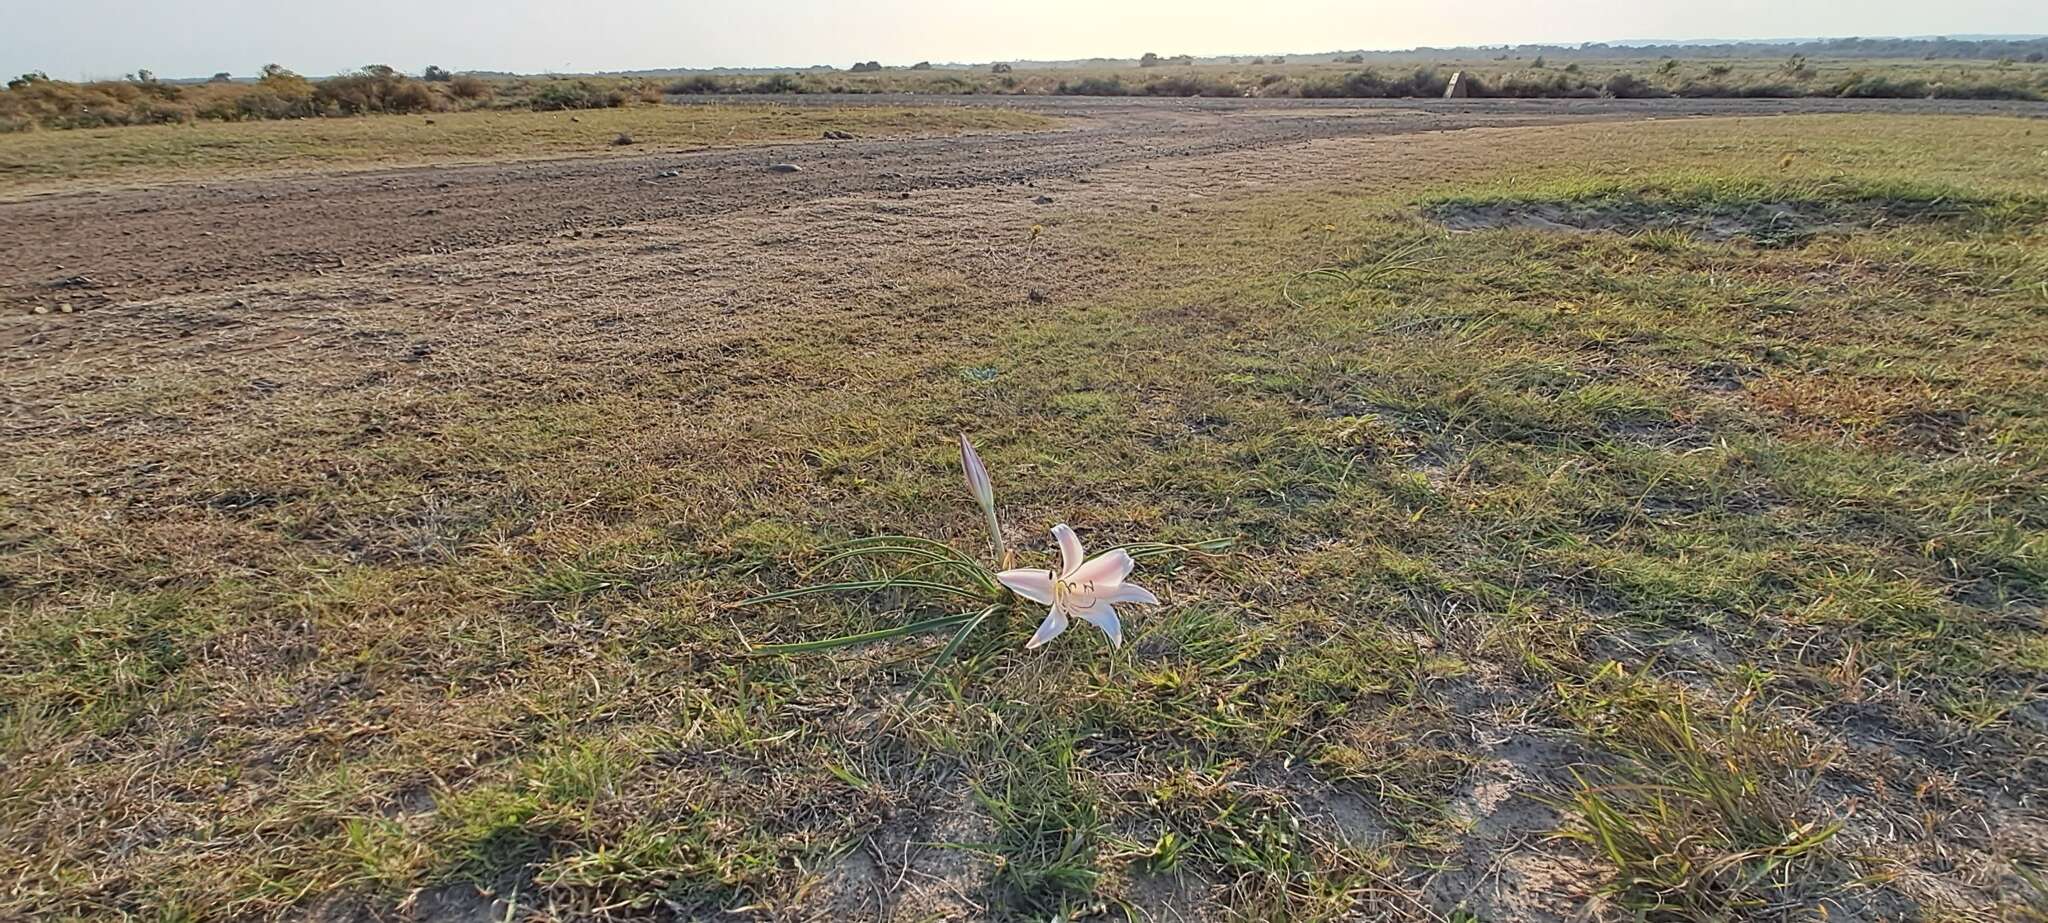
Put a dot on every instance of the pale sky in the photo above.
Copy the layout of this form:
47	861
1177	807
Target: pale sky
72	39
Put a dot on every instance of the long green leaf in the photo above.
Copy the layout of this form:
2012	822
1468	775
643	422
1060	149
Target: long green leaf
964	567
952	647
884	634
910	545
1213	546
850	585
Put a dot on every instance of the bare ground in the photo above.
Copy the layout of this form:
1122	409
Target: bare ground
83	249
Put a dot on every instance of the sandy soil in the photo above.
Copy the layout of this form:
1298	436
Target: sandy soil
94	248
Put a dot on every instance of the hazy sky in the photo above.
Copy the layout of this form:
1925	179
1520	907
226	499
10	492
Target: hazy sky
93	38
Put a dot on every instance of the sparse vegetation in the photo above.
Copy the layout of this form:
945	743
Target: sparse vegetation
32	100
1674	570
578	95
31	161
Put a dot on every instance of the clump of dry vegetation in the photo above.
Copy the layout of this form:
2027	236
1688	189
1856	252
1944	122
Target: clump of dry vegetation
34	101
1904	69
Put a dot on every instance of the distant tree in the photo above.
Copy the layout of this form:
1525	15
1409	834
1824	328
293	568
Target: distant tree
1538	63
222	77
1149	60
1257	61
921	66
434	74
1277	61
379	71
142	75
999	68
1355	59
28	78
865	67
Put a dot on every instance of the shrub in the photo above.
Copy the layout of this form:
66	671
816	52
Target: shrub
921	66
866	67
1423	81
783	83
1629	86
1537	86
466	87
999	68
696	85
1860	86
580	94
1982	91
279	94
376	88
1368	84
1190	85
434	74
1093	86
1149	60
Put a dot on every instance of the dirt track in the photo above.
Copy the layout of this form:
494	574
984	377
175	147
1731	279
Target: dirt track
132	245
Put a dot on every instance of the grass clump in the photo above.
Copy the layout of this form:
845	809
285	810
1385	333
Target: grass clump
1703	816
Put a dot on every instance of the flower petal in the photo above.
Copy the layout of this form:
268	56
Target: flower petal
1102	615
1055	622
1032	583
1129	593
1104	571
978	485
1070	548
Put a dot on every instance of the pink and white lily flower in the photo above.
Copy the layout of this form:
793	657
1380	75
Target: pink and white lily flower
1083	587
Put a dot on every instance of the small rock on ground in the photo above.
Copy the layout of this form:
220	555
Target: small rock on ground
784	168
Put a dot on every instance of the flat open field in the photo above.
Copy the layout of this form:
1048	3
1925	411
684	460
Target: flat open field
1640	511
45	161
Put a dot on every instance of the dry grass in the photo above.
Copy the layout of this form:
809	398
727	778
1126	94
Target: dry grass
58	160
1424	75
373	590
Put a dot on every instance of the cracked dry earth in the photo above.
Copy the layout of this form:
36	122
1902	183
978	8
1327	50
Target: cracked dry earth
339	305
